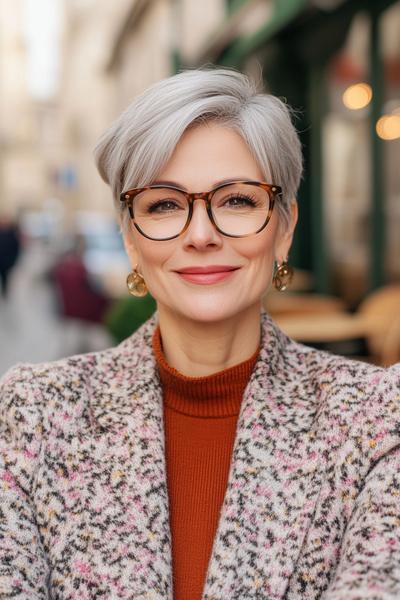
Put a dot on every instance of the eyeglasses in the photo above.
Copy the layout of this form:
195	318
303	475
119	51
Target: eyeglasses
236	208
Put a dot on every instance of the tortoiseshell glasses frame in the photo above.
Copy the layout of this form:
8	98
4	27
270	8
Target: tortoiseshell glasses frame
127	198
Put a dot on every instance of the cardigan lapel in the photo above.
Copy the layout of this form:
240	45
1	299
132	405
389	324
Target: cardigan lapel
273	483
125	427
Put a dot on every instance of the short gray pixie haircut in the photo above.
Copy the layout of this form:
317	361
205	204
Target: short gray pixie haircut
137	146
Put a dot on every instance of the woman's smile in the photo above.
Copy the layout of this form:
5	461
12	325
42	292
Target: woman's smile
207	275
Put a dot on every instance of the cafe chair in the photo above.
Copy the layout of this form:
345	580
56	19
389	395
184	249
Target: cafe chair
381	312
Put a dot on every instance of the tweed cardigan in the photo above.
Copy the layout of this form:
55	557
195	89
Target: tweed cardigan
312	506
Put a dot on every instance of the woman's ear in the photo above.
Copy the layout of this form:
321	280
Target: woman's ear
285	234
130	247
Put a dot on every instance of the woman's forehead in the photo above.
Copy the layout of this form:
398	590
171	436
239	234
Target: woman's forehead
209	155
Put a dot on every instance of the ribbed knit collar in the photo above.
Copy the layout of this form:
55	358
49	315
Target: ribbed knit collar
217	395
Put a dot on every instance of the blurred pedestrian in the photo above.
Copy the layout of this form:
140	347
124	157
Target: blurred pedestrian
10	246
78	297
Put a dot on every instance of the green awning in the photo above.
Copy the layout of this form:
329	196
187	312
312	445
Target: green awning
285	11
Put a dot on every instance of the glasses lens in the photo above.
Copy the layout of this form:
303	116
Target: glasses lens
160	213
240	208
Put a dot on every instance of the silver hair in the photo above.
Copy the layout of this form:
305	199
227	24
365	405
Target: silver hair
134	150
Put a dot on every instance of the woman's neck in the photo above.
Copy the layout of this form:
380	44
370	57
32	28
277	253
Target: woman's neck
197	349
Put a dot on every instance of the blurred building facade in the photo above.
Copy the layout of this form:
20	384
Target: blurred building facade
21	167
310	52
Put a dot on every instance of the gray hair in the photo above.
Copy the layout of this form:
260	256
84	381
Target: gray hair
134	150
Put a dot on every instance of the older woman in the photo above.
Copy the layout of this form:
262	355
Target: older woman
208	455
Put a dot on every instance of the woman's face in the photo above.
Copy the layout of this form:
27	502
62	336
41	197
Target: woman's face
206	155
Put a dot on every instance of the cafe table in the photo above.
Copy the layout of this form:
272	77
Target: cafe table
331	327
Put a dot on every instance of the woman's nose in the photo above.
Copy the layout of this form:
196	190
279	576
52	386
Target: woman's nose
201	232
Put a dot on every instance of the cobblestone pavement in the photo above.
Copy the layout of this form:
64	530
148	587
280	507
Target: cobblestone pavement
30	330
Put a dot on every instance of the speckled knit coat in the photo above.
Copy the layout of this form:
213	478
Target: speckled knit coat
312	507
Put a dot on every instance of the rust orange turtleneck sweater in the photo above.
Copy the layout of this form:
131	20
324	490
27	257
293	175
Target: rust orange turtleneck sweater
200	415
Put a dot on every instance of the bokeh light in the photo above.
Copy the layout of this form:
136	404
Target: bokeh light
357	96
388	127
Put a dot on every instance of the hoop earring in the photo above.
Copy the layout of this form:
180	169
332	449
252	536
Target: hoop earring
136	284
283	276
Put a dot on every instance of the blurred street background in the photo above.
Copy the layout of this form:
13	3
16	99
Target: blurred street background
69	67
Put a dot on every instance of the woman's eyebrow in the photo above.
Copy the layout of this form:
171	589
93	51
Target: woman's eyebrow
168	182
215	184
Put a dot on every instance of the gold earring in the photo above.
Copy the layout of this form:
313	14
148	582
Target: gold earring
136	284
283	276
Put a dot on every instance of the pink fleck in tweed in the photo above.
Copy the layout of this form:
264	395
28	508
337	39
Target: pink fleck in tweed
312	507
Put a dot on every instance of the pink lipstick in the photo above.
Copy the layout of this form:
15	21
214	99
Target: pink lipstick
206	275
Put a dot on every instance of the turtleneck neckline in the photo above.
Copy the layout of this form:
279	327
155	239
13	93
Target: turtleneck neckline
216	395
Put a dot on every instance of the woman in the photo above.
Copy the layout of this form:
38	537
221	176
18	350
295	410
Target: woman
207	455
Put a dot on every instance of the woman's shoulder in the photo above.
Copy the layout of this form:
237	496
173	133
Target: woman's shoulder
29	390
353	396
56	374
336	365
303	362
31	393
343	376
342	370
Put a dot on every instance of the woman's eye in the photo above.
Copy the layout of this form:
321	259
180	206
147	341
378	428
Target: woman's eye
240	200
164	206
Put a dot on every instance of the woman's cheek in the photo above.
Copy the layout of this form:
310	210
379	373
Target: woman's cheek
152	259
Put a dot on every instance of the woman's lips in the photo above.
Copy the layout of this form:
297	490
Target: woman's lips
206	275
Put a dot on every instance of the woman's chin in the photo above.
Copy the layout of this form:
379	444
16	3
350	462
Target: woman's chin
203	310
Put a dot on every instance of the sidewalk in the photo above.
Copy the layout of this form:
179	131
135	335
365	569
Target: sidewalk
29	328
